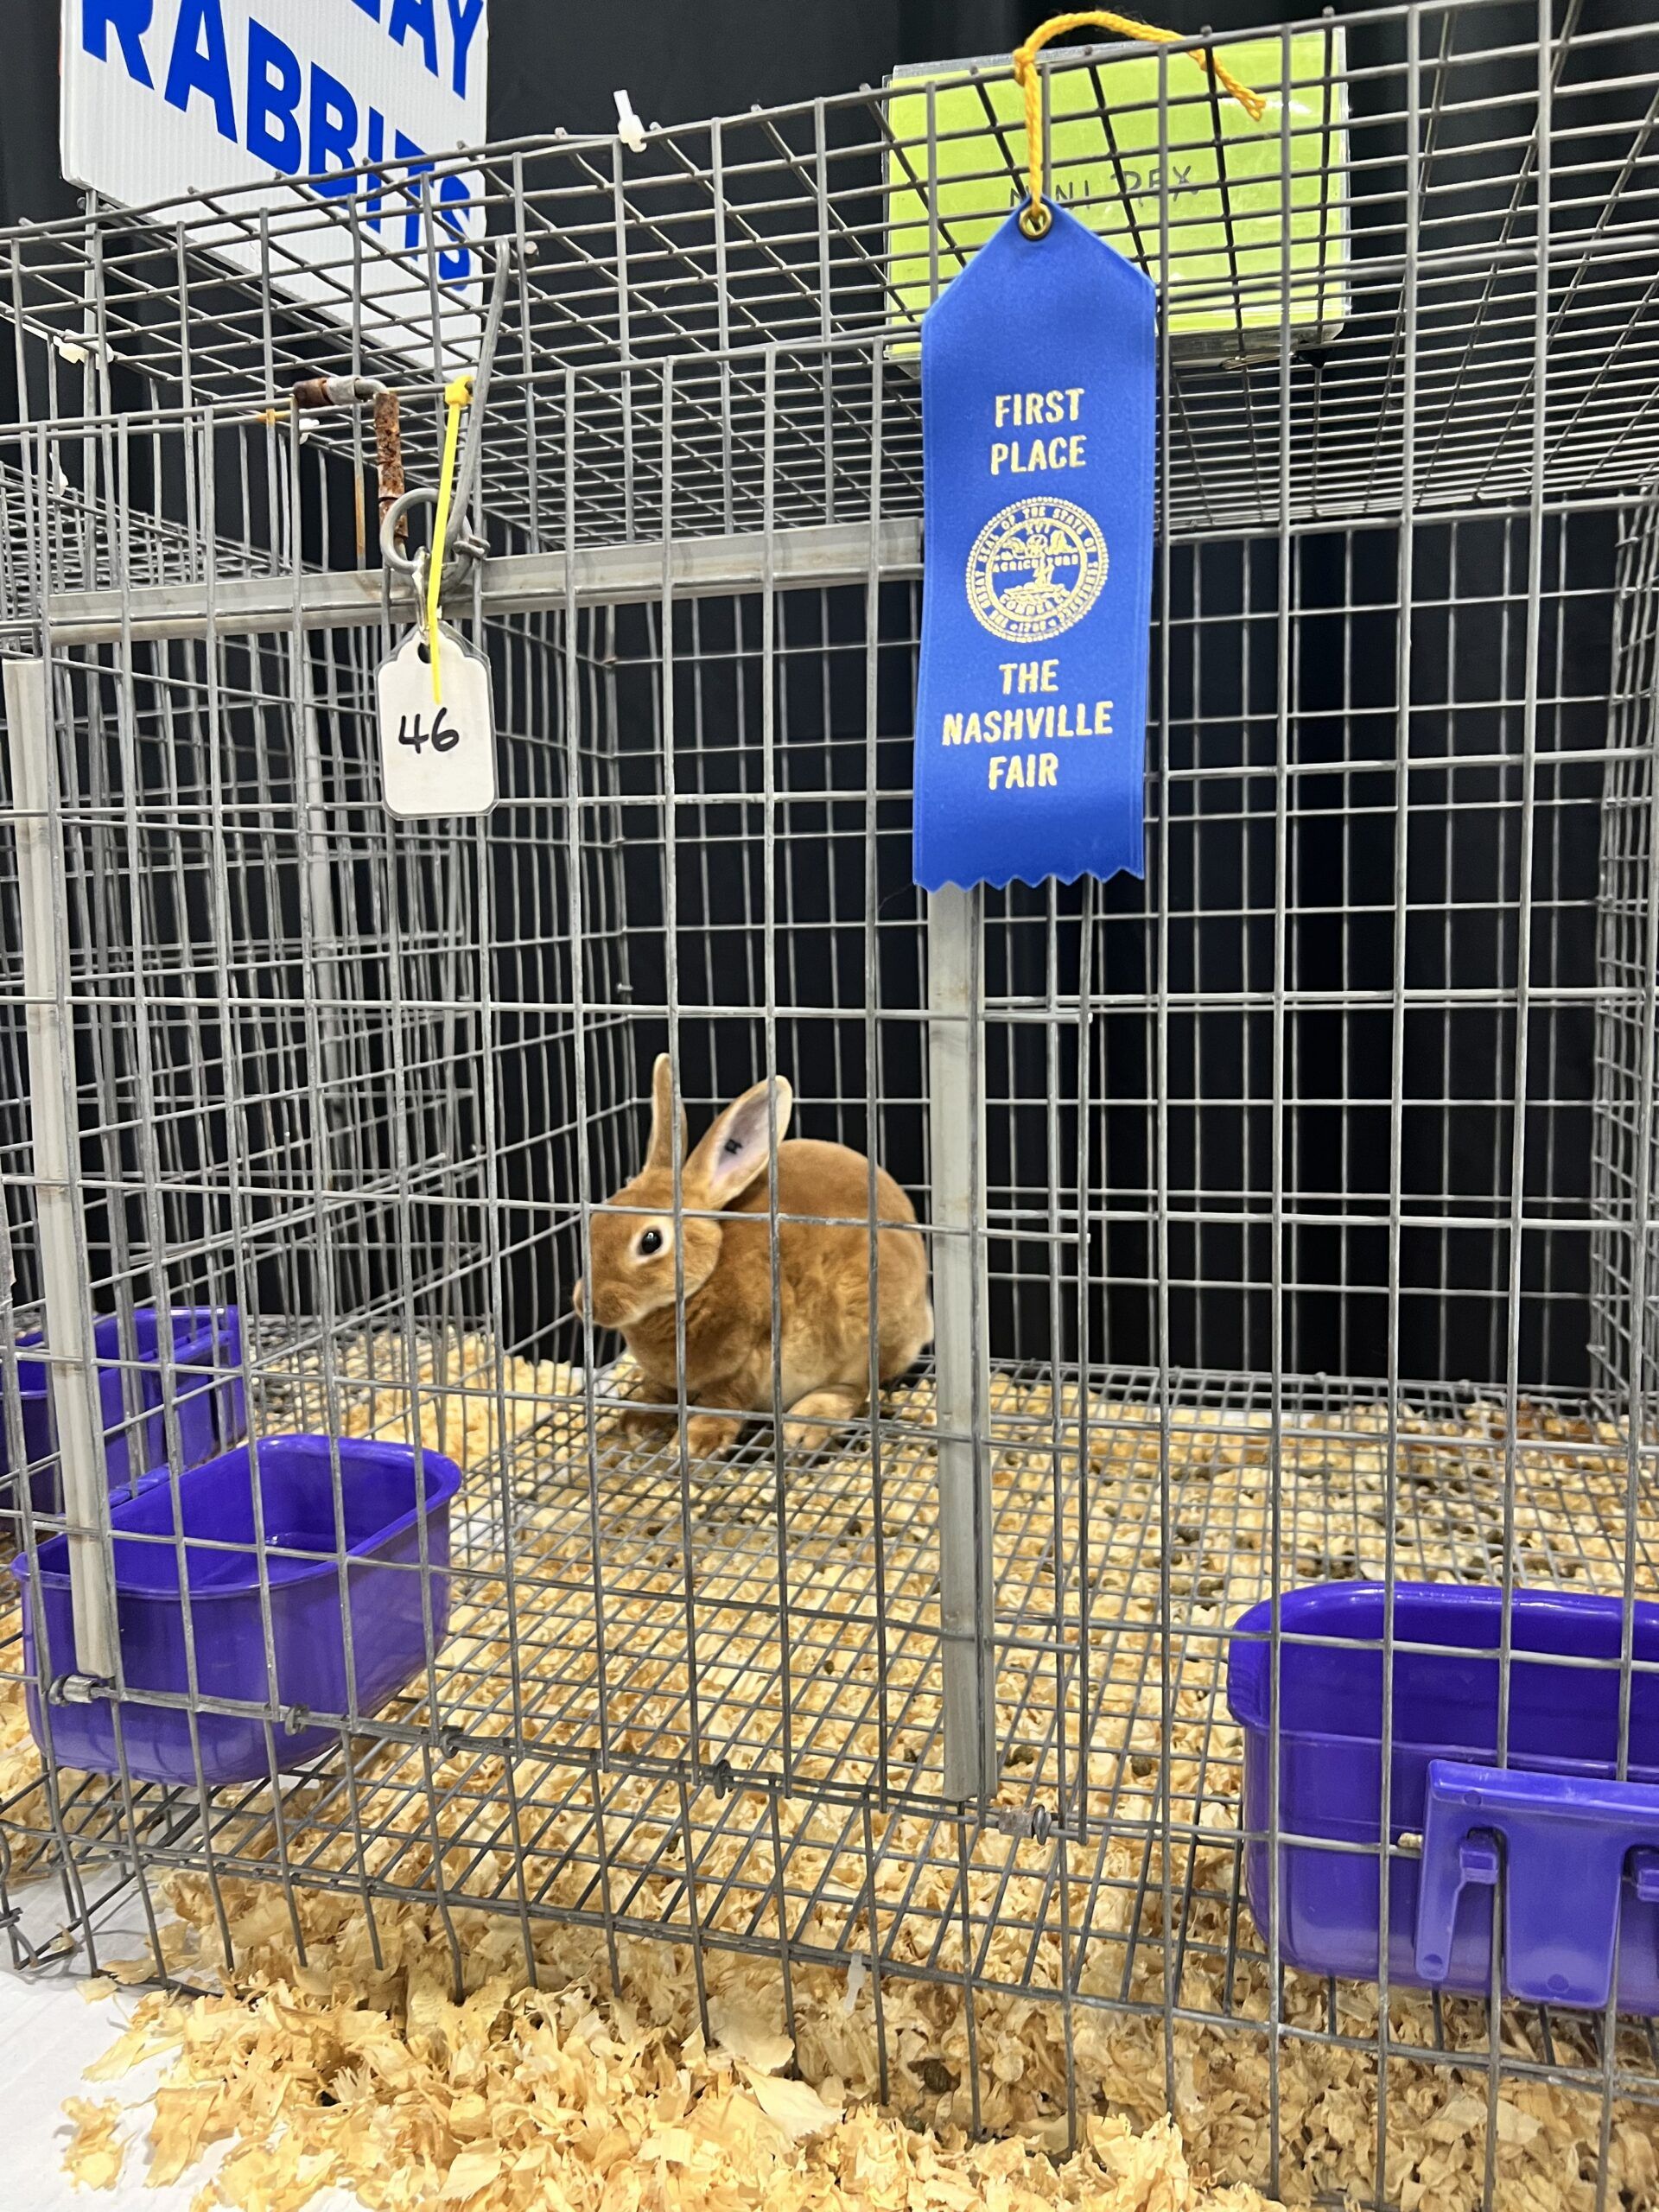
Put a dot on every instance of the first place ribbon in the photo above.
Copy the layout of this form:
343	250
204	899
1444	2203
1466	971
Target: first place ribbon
1038	425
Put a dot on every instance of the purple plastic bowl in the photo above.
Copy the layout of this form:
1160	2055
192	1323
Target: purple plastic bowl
1576	1853
208	1396
380	1490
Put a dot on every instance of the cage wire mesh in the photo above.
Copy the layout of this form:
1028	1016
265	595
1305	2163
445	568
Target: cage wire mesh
1301	1194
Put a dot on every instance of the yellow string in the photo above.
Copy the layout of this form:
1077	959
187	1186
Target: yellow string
456	395
1036	219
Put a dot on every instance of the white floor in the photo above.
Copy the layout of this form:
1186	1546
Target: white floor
49	2033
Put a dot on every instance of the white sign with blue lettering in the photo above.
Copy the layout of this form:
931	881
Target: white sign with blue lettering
166	100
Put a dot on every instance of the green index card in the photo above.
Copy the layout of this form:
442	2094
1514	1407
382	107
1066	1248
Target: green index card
1234	233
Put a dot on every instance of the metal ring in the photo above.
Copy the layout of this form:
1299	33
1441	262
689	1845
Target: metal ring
1036	219
390	552
462	549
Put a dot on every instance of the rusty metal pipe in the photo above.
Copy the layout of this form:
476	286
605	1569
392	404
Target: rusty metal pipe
389	458
312	395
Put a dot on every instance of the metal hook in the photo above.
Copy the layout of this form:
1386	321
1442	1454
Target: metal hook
466	544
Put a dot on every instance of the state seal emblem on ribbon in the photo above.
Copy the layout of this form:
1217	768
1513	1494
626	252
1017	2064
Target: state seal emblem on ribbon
1035	569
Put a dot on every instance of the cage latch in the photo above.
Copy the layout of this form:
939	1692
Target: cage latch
79	1689
1560	1848
1025	1823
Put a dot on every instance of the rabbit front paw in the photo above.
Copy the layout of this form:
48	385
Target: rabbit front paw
707	1435
643	1425
822	1415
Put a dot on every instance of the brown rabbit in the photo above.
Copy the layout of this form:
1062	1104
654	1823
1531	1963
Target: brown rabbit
824	1274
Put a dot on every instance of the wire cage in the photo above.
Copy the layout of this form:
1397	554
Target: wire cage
1289	1215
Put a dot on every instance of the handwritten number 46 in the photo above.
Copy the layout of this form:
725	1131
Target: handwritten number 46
442	736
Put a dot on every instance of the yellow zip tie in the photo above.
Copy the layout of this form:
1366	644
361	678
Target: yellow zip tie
1035	218
456	395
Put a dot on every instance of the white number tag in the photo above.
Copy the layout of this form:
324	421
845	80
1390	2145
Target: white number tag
437	759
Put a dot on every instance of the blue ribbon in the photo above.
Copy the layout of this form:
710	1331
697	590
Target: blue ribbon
1039	416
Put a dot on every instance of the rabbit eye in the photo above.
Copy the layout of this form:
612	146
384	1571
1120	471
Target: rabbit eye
650	1243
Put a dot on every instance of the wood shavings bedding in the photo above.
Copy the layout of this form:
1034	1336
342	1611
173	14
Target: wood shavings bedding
1567	1514
516	2099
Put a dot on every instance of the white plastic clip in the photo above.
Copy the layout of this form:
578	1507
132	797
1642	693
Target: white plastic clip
629	129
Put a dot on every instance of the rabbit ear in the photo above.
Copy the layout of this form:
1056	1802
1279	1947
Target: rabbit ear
659	1154
733	1153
